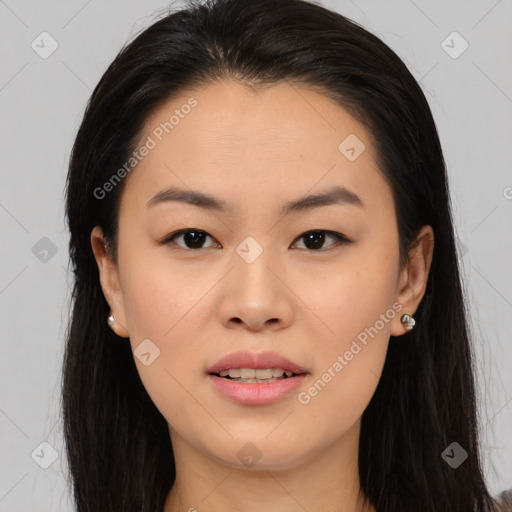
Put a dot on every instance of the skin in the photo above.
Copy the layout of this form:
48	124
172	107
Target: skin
259	150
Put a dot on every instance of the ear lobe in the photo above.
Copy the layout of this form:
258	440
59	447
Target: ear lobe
413	278
109	280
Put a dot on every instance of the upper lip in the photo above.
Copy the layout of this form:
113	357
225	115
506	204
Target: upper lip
263	360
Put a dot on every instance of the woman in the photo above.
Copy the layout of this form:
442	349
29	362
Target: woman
267	311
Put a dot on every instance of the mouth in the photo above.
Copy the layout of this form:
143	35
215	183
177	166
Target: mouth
255	366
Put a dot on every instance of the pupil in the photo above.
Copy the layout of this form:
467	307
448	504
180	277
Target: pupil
316	237
189	236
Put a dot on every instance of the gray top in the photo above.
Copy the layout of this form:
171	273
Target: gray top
505	501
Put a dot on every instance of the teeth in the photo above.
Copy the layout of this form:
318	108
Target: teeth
247	373
263	374
250	373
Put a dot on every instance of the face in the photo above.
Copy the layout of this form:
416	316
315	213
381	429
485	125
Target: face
317	283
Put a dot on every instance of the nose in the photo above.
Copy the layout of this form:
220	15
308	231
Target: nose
257	297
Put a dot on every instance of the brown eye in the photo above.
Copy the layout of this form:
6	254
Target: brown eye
314	240
194	239
191	238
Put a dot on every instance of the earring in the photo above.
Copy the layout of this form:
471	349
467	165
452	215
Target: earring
111	322
408	321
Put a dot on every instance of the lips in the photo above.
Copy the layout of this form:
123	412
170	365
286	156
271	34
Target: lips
262	360
252	394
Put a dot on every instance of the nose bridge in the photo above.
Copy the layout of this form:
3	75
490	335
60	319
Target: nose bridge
256	295
253	261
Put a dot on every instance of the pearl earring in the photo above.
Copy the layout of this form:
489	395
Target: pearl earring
408	321
112	323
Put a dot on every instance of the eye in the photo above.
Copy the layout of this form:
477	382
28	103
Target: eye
193	238
316	238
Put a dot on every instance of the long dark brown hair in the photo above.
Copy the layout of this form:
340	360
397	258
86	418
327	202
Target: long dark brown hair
118	444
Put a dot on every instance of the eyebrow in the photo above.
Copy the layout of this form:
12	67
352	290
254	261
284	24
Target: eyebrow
335	195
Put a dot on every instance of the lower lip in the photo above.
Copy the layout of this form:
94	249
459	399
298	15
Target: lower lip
254	393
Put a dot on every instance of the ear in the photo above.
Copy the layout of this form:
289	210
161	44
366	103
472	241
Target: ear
109	280
412	282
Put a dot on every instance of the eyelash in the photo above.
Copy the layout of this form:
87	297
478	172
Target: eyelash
340	238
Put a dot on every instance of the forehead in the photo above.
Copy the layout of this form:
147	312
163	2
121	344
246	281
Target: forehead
281	141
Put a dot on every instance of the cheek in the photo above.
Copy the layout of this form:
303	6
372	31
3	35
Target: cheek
356	309
168	302
358	291
161	305
348	364
160	293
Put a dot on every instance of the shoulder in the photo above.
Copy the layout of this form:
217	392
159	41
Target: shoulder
504	501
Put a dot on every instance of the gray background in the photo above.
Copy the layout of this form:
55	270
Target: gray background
42	102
